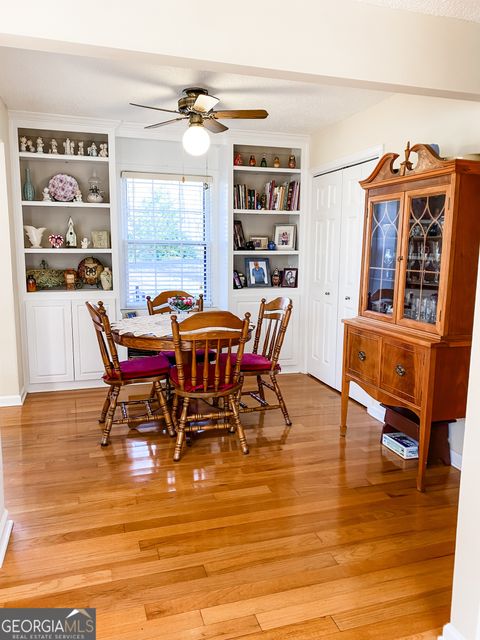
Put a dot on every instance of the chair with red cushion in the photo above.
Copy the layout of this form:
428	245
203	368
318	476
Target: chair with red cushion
273	319
200	383
118	374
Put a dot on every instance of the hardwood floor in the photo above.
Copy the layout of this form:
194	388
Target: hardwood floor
309	536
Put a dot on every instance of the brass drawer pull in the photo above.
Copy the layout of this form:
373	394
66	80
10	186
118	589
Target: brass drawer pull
399	370
362	355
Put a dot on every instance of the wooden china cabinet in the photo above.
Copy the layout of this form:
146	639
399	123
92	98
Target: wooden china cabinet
410	344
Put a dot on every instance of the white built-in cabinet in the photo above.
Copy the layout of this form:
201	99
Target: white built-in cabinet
60	347
337	210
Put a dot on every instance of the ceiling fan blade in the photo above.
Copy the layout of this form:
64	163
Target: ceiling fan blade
204	104
213	126
250	114
145	106
161	124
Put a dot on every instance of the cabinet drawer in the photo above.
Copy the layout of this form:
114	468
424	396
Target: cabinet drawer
401	370
363	355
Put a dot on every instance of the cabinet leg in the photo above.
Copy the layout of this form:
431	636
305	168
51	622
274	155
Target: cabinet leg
423	446
344	409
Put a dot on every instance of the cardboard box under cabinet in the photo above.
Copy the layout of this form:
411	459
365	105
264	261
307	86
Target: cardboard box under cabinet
401	444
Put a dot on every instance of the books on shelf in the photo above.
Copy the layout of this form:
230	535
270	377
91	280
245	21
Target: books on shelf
282	197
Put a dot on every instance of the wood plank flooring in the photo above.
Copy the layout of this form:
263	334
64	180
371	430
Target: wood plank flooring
309	536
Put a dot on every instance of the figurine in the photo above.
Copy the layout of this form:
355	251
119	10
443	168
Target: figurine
92	150
80	148
106	279
23	143
103	153
53	145
85	242
72	147
263	162
40	145
70	236
30	146
252	162
67	145
46	195
78	196
276	162
292	163
35	235
238	160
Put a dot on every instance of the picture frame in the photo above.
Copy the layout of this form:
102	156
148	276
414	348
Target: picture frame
285	236
258	272
290	277
237	283
238	235
100	240
260	242
130	314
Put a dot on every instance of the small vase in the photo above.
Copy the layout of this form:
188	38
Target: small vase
106	279
28	188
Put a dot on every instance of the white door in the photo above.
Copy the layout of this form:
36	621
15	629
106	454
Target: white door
88	363
323	292
353	204
49	341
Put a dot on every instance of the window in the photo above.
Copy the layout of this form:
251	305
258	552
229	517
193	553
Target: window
167	221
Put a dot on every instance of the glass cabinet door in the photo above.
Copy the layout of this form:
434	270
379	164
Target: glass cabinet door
426	218
382	256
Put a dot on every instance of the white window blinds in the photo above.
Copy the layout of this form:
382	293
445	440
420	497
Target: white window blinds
167	235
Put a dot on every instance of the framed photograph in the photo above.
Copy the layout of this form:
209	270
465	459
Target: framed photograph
260	242
285	236
238	235
290	277
237	283
258	272
277	275
100	240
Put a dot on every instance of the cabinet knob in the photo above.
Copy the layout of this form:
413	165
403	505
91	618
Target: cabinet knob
400	371
347	297
362	355
327	293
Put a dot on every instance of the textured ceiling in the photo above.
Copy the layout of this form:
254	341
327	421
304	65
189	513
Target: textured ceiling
83	86
462	9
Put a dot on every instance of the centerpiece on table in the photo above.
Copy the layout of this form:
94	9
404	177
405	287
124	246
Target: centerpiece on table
181	304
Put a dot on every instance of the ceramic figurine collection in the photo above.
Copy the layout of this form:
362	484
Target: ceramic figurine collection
28	146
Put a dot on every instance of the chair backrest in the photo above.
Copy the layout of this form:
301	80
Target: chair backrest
108	348
160	303
273	319
204	336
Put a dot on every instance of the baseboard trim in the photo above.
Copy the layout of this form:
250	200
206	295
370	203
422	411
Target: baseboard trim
450	633
6	527
456	459
13	401
376	410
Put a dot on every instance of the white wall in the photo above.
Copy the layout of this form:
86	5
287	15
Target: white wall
453	124
167	156
11	377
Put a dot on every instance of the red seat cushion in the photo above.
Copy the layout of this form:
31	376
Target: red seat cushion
251	362
200	355
142	367
190	387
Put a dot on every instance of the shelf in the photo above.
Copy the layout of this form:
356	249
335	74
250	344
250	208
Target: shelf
55	251
261	252
249	290
76	205
267	212
59	156
266	169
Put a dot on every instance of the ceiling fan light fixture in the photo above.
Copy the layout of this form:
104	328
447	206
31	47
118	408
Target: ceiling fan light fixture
196	140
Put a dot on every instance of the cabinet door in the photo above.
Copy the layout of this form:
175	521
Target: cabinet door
323	294
88	363
423	247
382	247
49	341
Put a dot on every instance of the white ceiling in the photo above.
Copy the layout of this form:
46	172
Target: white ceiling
102	88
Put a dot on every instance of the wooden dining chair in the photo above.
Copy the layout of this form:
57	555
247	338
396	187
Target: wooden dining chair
118	374
273	319
196	379
160	303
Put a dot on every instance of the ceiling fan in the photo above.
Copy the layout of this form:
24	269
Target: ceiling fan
197	107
